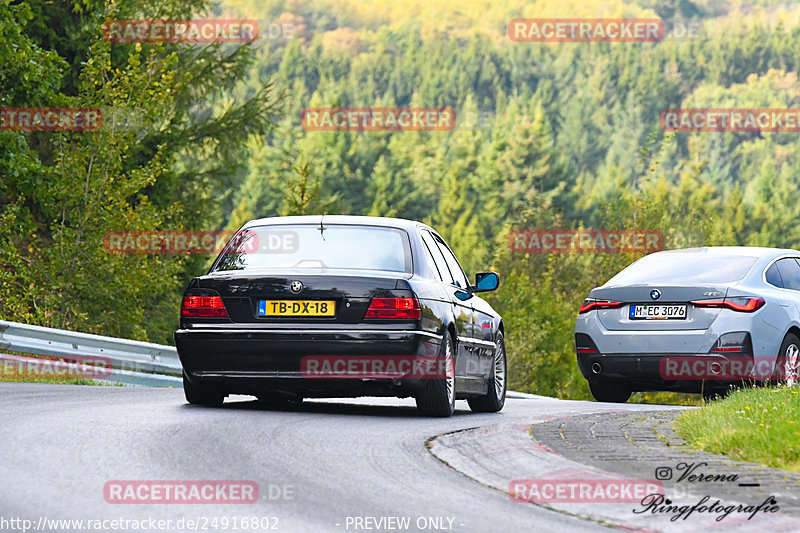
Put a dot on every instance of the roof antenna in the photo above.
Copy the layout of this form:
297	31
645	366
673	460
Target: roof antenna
321	228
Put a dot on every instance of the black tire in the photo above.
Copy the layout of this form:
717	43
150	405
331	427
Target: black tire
609	391
713	393
709	395
786	364
201	395
438	396
495	399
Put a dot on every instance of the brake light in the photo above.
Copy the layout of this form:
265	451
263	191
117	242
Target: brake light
407	308
746	305
203	307
589	304
742	304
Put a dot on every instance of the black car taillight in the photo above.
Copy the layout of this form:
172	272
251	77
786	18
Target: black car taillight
203	307
402	308
591	303
743	304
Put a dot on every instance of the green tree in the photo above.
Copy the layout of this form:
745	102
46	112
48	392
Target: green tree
61	192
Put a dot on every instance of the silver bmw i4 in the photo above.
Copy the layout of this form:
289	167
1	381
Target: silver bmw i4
698	320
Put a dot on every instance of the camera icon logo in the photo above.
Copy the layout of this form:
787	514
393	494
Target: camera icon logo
663	473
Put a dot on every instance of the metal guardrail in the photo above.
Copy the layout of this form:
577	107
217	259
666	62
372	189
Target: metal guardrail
132	362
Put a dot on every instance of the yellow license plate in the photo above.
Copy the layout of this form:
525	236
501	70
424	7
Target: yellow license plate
296	308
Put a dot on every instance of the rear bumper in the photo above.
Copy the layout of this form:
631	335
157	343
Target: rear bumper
668	372
260	361
634	354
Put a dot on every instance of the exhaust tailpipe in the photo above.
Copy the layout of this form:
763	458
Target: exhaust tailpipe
596	368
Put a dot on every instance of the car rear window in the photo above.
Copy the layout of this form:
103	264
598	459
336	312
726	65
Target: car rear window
332	246
684	268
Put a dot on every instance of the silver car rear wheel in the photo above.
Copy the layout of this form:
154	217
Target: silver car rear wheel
787	365
791	358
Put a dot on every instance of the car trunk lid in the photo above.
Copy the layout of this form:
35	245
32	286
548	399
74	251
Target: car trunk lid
350	292
619	318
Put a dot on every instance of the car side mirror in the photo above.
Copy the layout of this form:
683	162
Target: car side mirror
486	281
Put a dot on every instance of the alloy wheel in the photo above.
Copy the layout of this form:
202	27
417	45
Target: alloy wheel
499	372
790	365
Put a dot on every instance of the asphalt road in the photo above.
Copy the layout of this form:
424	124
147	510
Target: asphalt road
338	465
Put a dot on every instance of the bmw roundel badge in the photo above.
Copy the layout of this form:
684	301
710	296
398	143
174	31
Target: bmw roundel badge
655	294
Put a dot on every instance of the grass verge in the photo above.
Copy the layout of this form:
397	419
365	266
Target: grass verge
37	379
760	425
40	369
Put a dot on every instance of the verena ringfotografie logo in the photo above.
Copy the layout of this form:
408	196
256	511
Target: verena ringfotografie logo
67	367
657	504
180	492
687	475
740	120
50	119
378	118
583	490
376	367
586	30
181	31
585	241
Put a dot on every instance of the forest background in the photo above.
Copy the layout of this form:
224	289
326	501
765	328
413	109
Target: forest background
548	135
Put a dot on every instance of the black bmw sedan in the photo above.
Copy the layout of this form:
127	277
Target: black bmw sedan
341	306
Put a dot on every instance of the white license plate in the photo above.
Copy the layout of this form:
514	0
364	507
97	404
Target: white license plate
657	312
